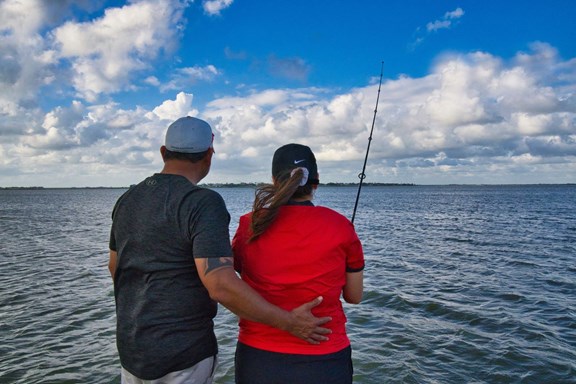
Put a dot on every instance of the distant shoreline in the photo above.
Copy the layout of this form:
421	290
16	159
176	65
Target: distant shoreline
217	185
254	185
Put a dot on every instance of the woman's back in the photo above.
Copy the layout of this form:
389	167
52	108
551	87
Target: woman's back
304	254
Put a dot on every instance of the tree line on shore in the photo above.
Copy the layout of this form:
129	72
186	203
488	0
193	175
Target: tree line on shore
225	185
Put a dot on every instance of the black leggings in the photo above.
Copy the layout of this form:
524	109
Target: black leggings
256	366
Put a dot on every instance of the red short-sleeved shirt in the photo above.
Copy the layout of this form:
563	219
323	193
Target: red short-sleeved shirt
305	253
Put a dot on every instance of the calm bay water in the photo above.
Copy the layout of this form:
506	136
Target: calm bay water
463	284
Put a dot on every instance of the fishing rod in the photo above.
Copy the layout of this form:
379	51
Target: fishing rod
362	175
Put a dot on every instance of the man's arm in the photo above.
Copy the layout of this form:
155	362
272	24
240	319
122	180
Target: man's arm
112	263
224	286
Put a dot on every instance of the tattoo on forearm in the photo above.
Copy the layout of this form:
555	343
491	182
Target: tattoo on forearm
214	263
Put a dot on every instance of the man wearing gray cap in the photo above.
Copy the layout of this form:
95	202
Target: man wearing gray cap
171	261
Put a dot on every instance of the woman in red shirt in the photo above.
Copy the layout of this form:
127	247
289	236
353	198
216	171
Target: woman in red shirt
291	251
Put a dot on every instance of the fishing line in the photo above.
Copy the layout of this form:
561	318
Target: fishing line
362	175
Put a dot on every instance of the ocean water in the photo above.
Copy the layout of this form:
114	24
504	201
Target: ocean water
463	284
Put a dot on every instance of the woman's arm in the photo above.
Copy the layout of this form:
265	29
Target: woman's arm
354	287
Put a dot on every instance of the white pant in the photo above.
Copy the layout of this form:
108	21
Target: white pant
201	373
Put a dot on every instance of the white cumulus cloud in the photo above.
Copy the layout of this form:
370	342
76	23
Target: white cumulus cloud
106	53
214	7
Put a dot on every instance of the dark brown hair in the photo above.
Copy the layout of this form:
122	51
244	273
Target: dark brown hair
191	157
270	197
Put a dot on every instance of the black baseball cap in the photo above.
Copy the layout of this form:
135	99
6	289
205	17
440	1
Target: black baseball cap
291	156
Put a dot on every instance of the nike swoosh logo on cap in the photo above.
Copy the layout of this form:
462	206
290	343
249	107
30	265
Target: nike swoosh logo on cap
299	161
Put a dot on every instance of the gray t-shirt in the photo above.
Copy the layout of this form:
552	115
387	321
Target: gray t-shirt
164	313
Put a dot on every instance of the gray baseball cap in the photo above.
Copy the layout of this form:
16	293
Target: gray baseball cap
189	135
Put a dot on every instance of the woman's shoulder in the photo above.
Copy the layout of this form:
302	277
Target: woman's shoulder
330	214
245	219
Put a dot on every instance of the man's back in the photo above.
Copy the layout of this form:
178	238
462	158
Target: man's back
164	312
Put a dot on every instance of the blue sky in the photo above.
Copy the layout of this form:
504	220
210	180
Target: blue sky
474	92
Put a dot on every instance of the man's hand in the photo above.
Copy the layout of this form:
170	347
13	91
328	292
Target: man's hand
306	326
224	286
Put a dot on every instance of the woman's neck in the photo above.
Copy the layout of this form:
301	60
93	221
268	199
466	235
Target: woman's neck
302	198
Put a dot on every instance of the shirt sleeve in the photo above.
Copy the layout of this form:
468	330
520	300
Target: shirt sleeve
112	241
354	253
209	228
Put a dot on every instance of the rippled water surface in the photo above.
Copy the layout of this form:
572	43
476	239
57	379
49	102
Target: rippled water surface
464	284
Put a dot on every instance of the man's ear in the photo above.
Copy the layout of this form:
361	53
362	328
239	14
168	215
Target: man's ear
207	159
